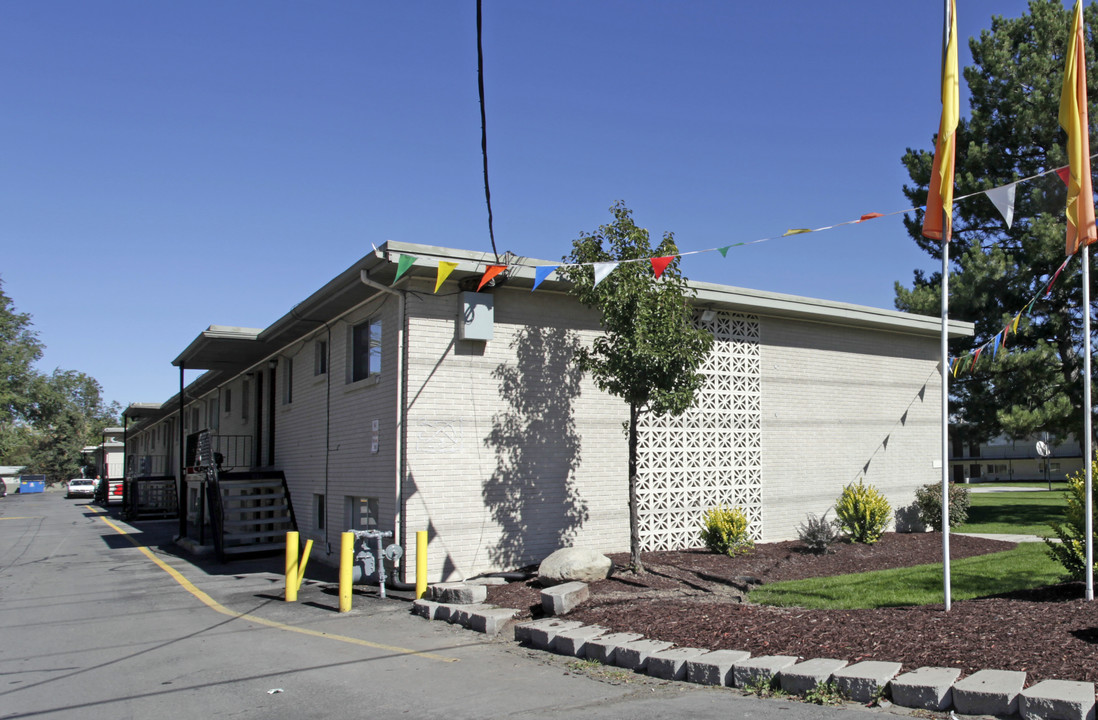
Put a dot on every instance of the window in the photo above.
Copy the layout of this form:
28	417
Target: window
320	357
228	395
361	513
318	508
245	398
288	381
213	414
195	419
365	350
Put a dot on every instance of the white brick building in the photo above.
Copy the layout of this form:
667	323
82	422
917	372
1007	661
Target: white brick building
380	409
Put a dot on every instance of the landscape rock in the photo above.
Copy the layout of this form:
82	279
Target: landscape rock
573	564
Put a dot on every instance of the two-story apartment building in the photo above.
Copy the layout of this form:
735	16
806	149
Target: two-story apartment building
402	407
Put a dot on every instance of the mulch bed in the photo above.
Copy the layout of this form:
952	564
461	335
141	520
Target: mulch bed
695	598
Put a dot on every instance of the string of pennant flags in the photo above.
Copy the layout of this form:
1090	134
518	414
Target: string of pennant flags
967	362
1002	197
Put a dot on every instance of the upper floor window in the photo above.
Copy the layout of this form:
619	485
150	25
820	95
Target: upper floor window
320	357
365	350
288	381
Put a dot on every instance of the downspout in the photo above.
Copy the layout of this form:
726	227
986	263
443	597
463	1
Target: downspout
401	430
181	500
125	446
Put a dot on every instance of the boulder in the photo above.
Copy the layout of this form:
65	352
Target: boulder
573	565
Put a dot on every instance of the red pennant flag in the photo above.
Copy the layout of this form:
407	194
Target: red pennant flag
490	273
660	264
1064	174
870	216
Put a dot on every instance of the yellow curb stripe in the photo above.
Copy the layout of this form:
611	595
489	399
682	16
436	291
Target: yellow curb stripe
28	517
214	605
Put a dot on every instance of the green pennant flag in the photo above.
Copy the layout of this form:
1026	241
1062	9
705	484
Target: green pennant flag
724	250
405	262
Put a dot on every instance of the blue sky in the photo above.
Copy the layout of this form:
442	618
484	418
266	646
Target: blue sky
171	165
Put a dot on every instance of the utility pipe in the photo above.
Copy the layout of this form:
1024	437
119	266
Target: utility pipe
401	430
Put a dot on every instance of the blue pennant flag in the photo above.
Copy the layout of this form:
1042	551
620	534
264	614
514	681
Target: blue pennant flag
540	273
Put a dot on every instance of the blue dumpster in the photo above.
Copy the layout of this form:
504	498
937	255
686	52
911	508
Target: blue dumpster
32	484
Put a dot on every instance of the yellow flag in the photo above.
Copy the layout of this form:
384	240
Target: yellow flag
444	270
1073	119
937	222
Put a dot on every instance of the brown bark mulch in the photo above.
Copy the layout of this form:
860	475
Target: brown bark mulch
695	598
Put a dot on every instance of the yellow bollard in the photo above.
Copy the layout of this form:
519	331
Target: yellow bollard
292	581
421	563
346	566
304	562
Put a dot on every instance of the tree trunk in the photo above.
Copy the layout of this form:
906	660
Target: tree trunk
634	517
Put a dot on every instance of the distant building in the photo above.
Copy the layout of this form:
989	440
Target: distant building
1003	459
9	475
392	406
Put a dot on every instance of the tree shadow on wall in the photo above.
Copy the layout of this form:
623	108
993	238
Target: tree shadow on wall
532	493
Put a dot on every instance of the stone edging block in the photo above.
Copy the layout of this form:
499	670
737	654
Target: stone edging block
989	692
928	688
1057	700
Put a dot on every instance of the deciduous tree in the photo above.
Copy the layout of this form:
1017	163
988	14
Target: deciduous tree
650	350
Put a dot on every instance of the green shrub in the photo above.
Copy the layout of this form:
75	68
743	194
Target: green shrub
928	501
1070	551
725	530
818	534
863	513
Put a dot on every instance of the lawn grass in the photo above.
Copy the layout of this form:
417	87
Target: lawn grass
1026	566
1027	513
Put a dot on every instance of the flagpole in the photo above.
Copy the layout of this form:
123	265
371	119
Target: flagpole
946	228
1088	456
947	233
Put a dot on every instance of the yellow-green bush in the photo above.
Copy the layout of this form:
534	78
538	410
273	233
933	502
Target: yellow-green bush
863	512
1070	550
725	530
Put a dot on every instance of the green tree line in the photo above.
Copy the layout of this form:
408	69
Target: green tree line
46	419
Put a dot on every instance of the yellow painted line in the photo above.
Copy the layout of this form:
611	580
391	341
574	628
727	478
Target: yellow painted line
215	605
28	517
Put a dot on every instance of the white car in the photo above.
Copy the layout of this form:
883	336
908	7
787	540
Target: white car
81	487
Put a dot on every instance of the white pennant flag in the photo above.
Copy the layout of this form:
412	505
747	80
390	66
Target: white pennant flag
1003	199
602	270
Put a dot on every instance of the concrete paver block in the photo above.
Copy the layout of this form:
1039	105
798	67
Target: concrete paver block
1057	700
457	593
862	681
490	620
540	633
603	647
802	677
989	692
425	608
562	599
928	688
574	642
762	669
715	668
671	664
634	655
463	614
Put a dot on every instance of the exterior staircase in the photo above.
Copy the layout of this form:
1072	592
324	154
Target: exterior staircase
251	513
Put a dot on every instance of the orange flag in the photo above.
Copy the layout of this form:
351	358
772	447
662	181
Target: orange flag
490	273
937	222
1073	118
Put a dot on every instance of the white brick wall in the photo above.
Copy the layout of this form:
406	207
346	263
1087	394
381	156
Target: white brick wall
842	403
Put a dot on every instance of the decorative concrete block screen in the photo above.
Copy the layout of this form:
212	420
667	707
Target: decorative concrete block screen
711	454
